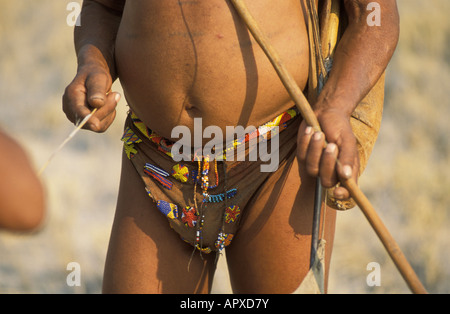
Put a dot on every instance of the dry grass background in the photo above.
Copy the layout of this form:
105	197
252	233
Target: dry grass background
408	178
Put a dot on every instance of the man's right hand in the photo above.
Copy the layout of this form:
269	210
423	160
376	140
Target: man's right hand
90	89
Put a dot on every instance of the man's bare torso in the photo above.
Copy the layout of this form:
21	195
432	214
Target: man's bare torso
182	59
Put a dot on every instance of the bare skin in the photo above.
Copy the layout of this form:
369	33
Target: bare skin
22	203
178	60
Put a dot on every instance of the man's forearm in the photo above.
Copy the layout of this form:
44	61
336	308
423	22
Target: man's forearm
95	38
362	56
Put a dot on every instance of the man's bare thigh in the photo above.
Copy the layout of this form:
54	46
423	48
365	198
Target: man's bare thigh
145	255
274	241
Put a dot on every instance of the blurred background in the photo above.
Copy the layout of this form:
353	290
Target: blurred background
407	180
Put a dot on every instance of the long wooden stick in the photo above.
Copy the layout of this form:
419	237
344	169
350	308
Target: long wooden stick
308	115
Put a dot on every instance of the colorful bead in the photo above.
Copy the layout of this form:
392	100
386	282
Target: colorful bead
149	193
220	197
197	179
205	178
168	209
189	216
219	244
129	137
140	125
163	144
232	214
223	240
180	172
130	151
228	238
155	169
205	250
164	182
216	172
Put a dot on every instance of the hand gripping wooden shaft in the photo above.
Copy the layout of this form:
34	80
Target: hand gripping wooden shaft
308	115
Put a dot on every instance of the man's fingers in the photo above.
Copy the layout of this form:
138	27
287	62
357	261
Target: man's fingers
314	154
84	93
303	142
328	166
346	172
338	160
105	115
97	86
347	157
341	193
74	103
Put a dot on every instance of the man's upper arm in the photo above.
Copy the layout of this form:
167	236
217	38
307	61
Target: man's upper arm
117	5
357	8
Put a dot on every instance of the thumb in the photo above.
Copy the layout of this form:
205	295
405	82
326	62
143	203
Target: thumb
97	86
348	156
106	114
